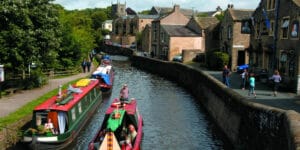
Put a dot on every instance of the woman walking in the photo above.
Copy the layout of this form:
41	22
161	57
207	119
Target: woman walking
276	80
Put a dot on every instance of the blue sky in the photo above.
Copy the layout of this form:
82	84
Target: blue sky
139	5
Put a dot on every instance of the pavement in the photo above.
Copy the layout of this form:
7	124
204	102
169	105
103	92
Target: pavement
11	103
264	93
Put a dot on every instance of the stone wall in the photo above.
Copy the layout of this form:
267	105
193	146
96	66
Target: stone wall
247	125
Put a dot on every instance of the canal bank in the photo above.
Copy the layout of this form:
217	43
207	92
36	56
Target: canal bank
248	125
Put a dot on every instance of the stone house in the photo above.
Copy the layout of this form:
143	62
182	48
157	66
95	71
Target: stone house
208	28
170	35
127	27
235	35
275	40
146	38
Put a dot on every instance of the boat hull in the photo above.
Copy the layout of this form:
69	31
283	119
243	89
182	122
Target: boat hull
94	144
62	141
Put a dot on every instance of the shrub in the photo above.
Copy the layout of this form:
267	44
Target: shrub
217	59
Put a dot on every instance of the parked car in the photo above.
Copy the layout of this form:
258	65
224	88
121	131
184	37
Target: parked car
177	58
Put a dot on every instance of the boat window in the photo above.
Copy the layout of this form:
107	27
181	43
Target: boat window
42	116
79	107
73	114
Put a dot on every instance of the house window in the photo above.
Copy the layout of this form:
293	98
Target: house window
229	32
245	27
271	31
162	37
73	114
270	4
79	108
257	33
294	29
285	28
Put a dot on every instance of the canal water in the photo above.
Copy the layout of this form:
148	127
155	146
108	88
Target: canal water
173	118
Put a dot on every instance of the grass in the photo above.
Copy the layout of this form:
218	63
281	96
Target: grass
28	108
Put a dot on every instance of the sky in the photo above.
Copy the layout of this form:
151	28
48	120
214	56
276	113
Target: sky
140	5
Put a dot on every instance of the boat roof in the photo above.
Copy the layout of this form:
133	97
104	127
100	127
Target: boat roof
84	85
130	107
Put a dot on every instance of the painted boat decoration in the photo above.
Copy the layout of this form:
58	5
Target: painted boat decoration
58	120
122	128
105	74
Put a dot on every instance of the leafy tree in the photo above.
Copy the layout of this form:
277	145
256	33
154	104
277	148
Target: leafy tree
145	12
29	33
98	18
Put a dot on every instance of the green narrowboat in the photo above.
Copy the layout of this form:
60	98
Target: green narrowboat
58	120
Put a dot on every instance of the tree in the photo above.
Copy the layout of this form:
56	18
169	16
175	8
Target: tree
98	18
29	33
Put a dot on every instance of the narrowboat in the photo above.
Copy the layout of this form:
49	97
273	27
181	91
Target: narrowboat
58	120
105	74
122	128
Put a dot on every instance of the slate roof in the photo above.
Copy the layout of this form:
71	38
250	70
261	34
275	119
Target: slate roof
167	10
240	14
179	31
206	22
147	16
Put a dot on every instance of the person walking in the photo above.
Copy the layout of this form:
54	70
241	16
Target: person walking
225	74
252	85
244	76
88	64
84	65
276	81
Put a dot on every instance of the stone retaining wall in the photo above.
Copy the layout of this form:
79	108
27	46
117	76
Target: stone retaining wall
247	125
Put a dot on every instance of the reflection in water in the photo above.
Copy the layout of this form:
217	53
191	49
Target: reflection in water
172	117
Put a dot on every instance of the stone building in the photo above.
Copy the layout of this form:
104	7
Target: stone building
146	38
235	35
275	40
126	28
118	10
170	36
208	28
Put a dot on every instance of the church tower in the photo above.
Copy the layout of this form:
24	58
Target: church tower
118	10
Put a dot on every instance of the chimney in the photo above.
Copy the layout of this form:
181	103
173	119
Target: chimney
176	8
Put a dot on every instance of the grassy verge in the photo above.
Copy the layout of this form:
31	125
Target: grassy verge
27	109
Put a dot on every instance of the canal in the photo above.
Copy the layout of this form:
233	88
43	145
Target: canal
173	118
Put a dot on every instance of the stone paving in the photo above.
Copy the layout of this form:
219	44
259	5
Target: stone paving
283	100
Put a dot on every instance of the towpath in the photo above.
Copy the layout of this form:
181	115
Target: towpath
11	103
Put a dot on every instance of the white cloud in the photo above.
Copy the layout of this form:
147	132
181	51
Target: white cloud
139	5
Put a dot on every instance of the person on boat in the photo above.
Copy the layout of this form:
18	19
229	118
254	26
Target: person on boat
49	126
124	93
127	144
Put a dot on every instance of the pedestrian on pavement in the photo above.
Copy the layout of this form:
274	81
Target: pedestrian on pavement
225	74
88	65
244	76
276	78
84	65
252	85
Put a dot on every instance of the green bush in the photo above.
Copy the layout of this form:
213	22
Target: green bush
217	59
36	79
